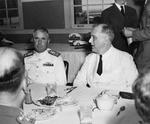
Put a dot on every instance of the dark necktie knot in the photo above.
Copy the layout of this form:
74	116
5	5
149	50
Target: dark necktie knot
100	65
122	10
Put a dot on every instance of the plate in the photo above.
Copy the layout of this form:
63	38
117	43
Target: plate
66	101
42	113
47	101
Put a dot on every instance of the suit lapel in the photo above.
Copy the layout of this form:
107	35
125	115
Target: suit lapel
116	10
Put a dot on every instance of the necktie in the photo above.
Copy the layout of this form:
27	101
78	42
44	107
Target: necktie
122	10
100	65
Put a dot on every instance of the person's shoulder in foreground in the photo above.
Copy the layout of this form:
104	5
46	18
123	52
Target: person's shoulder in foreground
12	87
13	115
141	90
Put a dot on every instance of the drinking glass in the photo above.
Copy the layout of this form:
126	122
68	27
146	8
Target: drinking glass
51	89
85	114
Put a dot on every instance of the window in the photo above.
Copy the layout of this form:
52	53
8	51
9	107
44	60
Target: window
10	13
86	12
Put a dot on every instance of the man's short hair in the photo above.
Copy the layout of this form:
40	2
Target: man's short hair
141	89
42	29
12	69
107	29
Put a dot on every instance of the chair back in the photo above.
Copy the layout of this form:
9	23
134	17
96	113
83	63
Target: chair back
66	63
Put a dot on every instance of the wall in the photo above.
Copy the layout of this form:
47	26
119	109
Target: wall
39	13
48	14
26	38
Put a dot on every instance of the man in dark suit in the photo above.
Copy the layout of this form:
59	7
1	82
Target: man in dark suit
142	35
119	16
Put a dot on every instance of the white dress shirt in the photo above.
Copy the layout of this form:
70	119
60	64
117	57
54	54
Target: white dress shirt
119	71
45	68
119	7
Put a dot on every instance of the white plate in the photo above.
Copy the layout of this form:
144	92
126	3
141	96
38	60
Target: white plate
37	102
66	101
42	113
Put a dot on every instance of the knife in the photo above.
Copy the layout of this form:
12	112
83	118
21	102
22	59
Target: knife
126	95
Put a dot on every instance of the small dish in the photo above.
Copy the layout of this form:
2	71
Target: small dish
47	101
42	113
66	101
105	101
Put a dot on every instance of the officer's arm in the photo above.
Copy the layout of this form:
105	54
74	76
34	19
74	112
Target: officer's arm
60	72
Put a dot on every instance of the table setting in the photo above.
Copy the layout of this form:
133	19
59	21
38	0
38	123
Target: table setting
80	105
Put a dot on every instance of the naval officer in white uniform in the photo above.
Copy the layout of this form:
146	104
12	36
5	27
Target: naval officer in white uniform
44	65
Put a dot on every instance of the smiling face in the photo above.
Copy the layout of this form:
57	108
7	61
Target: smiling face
41	40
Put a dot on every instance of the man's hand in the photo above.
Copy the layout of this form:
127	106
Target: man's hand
128	31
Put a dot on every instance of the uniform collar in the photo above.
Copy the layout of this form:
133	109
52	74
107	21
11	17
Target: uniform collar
42	54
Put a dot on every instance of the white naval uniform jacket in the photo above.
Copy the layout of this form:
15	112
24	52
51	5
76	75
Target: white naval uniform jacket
45	68
118	71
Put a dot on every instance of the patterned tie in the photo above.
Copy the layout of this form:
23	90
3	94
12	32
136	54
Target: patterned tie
122	11
100	65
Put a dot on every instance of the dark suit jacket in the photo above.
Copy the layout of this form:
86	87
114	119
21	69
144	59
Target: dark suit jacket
142	36
114	17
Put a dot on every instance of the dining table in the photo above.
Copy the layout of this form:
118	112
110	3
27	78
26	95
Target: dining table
82	96
75	56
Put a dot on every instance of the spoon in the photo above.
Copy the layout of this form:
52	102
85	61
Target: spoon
122	108
96	106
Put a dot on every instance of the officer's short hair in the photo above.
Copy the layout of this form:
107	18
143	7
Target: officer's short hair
42	29
12	69
141	90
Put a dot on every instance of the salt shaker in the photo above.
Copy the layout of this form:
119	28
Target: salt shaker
28	98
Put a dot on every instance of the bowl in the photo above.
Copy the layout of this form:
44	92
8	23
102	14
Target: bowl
105	102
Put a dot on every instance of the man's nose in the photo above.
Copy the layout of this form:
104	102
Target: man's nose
39	41
91	41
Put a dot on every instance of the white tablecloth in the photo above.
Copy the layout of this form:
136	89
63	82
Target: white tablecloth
85	96
75	57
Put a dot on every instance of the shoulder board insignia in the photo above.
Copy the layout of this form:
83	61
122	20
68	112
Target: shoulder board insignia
55	53
22	119
30	53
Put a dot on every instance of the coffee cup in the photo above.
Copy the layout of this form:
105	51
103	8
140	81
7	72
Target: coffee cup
105	102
